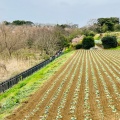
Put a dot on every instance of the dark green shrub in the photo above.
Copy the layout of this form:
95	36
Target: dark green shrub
109	42
88	42
78	46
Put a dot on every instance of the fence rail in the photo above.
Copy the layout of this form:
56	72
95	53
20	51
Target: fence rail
14	80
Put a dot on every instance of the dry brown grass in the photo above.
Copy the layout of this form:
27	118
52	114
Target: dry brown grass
14	67
21	47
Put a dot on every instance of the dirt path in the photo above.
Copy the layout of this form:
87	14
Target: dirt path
99	48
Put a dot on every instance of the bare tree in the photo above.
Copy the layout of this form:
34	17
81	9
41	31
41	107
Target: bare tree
11	38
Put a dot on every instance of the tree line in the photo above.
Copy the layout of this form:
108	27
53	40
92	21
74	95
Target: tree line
102	25
18	22
15	39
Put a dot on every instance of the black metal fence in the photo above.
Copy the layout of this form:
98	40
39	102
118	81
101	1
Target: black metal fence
12	81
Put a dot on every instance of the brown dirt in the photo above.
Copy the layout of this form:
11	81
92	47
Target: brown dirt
34	99
96	58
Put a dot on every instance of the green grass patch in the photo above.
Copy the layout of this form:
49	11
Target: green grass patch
20	92
117	48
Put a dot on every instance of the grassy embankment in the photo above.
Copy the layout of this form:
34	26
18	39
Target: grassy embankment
19	93
117	48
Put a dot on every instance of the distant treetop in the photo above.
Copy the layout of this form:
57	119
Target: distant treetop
107	24
18	22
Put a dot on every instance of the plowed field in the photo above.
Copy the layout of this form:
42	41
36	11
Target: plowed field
87	87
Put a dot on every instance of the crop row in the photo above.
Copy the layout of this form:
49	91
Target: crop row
44	97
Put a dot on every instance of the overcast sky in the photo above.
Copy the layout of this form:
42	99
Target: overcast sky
58	11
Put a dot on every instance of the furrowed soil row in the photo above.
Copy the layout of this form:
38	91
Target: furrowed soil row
111	88
29	105
101	87
113	54
110	60
87	87
114	66
47	103
98	111
56	110
36	113
47	109
80	102
95	104
111	82
68	106
112	74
